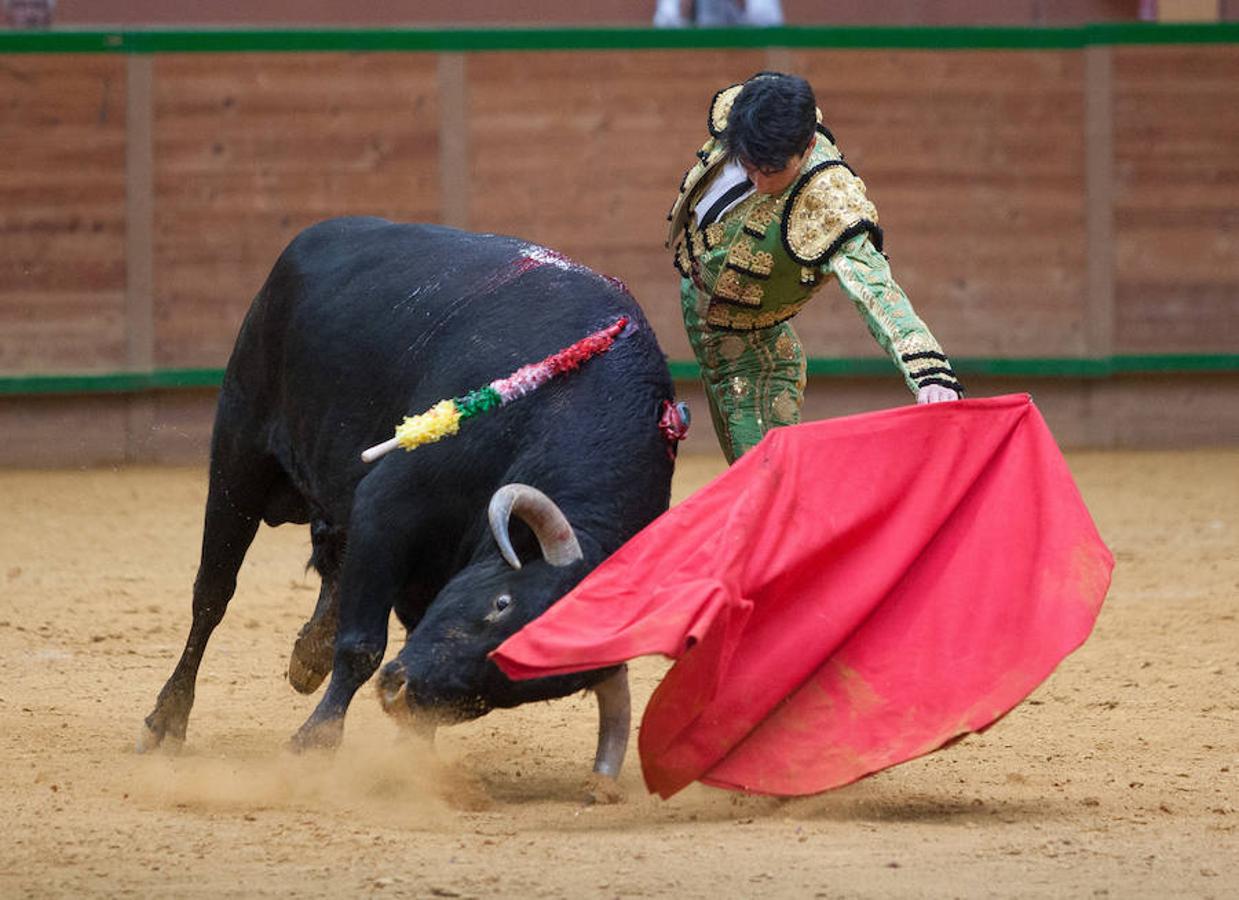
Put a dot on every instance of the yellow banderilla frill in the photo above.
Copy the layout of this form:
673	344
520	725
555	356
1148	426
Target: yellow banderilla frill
440	421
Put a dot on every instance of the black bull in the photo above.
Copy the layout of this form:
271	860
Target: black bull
360	323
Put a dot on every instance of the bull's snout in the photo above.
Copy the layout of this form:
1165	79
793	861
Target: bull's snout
399	702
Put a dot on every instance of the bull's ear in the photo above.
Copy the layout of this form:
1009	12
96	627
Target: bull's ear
551	527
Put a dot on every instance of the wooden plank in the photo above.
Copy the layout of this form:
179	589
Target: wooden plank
181	427
1188	10
139	265
251	149
1184	411
50	432
454	139
139	209
66	431
1099	187
1099	184
975	163
779	59
1176	127
584	152
62	214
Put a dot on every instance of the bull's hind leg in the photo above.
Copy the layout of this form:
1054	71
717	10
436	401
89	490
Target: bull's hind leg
310	661
234	508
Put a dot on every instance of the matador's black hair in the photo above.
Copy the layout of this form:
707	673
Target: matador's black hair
772	119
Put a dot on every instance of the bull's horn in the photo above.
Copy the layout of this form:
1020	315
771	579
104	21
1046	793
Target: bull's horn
539	512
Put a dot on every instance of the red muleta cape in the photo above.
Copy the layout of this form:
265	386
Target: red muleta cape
851	594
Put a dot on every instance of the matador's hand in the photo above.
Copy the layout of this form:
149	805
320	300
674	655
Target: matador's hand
935	393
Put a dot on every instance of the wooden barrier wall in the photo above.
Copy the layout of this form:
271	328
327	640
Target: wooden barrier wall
1176	199
249	149
1074	204
62	214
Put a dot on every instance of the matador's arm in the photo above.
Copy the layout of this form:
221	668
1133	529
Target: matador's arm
865	276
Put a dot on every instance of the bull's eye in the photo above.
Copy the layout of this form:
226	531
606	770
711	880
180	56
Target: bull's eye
497	607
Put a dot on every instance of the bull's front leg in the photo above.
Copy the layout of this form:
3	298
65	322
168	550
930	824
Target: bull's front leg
359	650
614	725
370	580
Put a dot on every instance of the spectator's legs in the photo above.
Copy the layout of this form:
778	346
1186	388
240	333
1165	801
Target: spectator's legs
763	13
669	14
717	13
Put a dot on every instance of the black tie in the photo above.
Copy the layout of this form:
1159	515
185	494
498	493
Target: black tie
730	196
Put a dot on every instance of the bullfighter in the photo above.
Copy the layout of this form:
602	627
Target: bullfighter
768	214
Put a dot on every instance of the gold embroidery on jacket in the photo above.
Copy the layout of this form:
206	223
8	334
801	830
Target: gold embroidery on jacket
731	286
846	270
714	234
918	342
720	109
683	263
707	157
762	216
785	347
745	256
697	246
720	315
687	173
829	202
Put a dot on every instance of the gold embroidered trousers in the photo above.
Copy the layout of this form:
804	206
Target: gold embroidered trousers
754	380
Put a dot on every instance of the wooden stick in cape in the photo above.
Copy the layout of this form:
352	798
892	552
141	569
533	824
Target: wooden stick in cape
445	417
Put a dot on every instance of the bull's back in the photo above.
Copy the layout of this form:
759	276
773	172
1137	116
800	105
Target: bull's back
347	289
363	321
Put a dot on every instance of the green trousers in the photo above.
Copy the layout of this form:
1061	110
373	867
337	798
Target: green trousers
754	380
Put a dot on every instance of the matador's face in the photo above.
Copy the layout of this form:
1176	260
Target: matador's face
776	181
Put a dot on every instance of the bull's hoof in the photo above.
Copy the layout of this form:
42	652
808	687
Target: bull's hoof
153	737
310	661
317	736
603	790
303	675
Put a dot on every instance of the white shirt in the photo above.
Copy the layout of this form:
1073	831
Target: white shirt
729	176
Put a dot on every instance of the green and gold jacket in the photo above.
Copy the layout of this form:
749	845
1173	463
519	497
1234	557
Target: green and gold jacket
763	260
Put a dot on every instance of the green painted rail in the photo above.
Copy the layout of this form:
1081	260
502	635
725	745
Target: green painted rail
463	40
684	370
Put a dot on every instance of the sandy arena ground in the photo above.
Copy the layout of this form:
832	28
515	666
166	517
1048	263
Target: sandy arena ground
1119	777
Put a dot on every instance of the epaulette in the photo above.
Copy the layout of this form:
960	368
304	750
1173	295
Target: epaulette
827	207
720	108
